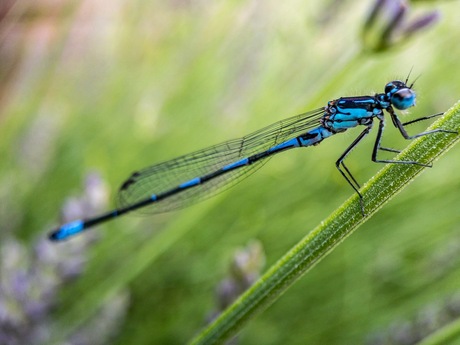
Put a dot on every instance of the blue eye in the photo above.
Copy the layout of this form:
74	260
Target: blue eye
403	99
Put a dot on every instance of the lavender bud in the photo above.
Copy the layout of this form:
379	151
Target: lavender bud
387	25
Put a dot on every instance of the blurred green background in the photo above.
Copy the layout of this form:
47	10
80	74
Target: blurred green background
116	86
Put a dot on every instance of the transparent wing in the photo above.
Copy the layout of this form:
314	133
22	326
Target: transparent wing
167	175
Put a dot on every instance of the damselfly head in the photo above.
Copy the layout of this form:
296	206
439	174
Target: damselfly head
400	95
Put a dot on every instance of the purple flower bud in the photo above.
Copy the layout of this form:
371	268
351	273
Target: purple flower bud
387	25
31	278
243	272
422	22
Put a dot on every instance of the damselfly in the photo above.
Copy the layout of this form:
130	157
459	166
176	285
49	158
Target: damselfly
196	176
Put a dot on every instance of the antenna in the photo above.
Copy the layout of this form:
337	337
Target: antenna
407	79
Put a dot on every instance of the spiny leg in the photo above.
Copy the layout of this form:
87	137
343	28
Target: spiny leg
422	119
398	124
377	147
348	176
389	150
411	122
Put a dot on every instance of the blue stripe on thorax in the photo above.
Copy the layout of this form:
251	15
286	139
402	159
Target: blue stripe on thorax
351	111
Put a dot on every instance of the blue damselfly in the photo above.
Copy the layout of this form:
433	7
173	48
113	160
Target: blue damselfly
193	177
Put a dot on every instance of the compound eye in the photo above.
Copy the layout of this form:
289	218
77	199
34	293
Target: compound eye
403	99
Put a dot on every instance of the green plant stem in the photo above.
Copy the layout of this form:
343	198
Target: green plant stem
325	237
446	335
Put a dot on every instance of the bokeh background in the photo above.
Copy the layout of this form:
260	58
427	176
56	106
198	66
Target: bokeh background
93	90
